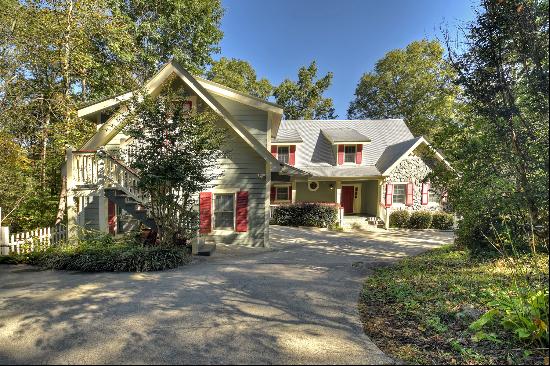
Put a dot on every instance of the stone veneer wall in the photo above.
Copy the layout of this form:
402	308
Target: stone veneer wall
413	168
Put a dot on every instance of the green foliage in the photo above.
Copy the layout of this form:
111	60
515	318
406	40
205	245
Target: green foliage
177	156
420	220
239	75
501	145
415	83
442	220
304	99
400	218
420	310
305	214
101	253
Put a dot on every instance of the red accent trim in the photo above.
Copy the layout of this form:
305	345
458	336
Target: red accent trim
273	193
340	154
389	195
292	155
274	151
290	193
111	217
425	190
359	154
410	194
242	212
205	212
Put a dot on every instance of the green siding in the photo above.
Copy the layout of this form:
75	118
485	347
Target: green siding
323	194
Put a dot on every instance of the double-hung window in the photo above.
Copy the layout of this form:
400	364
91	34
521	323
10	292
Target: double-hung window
224	213
283	154
399	193
434	197
350	153
281	193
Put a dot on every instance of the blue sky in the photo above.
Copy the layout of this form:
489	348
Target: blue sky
346	37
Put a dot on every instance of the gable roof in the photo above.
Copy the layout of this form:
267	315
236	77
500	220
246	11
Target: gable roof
341	135
110	128
317	151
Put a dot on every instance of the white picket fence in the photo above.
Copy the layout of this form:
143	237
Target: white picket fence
30	241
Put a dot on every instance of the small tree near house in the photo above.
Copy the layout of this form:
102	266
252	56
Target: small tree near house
176	155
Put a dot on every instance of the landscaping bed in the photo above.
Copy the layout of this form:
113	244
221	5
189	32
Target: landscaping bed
103	253
422	309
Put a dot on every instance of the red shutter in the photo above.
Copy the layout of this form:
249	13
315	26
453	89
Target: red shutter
205	212
389	194
410	194
242	211
274	151
425	190
290	193
340	154
273	193
112	219
292	155
359	154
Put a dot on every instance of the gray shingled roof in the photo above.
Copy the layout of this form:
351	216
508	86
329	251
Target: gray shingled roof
317	152
287	136
393	153
343	171
336	135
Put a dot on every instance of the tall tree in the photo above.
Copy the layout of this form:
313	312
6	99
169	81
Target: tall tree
503	151
185	30
239	75
304	99
415	83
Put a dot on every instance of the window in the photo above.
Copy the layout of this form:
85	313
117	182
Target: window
223	211
313	186
283	153
349	153
281	193
434	197
399	193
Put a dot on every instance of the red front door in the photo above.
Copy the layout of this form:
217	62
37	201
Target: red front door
112	217
347	198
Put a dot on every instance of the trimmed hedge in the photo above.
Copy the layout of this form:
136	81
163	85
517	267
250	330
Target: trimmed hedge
420	220
400	219
305	214
442	220
103	253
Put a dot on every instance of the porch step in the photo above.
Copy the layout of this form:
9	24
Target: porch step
132	207
207	250
362	222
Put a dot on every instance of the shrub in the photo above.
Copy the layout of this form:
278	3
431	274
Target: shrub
442	221
400	218
103	253
420	220
305	214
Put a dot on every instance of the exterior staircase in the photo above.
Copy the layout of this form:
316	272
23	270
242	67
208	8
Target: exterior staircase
120	185
361	222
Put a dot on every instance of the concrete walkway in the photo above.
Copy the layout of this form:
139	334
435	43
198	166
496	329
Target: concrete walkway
293	303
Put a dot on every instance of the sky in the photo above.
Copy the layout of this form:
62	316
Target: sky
346	37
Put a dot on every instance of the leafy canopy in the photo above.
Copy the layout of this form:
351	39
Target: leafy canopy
304	99
415	83
239	75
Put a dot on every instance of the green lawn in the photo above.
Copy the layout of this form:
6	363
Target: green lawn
420	310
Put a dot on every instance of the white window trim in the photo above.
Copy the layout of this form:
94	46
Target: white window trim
433	204
220	191
399	204
313	181
288	186
354	155
287	146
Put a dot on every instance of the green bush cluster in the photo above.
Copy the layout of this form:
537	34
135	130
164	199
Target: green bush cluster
421	220
305	214
103	253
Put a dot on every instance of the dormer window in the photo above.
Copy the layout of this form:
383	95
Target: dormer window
350	154
283	154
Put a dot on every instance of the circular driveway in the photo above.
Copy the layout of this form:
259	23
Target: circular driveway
293	303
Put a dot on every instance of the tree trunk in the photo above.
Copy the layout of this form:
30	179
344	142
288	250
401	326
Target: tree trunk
62	200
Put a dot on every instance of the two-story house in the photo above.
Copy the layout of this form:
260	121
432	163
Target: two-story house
363	166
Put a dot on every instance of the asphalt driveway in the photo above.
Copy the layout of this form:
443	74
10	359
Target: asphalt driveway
293	303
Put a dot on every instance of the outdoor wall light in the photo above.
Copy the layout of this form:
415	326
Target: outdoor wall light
331	186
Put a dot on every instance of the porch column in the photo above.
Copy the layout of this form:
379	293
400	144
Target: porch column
103	202
72	223
293	191
338	192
